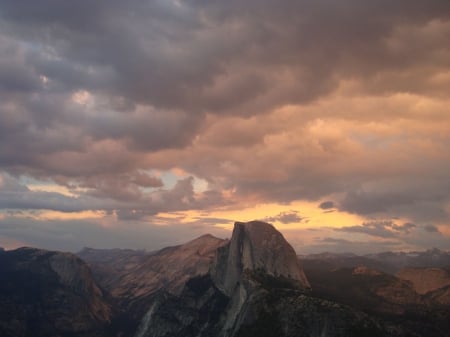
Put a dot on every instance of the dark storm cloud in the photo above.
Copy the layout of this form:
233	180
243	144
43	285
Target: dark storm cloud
180	59
326	205
431	229
129	45
178	54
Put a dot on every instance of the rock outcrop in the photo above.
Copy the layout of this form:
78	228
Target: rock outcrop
256	254
256	247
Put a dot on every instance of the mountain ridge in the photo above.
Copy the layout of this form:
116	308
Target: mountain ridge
252	284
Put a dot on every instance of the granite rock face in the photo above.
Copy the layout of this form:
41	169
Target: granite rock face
257	253
45	293
256	247
201	310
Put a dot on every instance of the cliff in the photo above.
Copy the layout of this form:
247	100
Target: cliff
44	293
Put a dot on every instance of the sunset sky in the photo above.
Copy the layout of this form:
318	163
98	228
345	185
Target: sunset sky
142	124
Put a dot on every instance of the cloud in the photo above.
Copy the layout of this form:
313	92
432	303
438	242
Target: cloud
128	199
425	198
262	102
287	218
382	229
184	54
431	229
326	205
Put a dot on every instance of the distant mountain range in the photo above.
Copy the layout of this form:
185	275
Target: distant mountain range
251	285
389	262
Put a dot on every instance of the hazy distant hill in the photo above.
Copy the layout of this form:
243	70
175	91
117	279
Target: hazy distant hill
389	262
382	284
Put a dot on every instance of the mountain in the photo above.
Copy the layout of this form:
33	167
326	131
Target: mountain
364	288
425	280
440	296
130	274
400	300
256	247
255	287
432	283
134	277
251	285
256	253
108	265
331	261
395	261
388	262
44	293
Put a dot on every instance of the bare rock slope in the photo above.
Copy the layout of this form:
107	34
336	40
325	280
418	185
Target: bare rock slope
426	280
133	275
44	293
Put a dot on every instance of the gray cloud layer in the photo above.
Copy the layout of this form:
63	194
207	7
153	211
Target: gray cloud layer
94	95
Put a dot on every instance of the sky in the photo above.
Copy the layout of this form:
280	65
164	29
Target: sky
146	123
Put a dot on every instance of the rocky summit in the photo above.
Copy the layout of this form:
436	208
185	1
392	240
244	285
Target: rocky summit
250	285
256	247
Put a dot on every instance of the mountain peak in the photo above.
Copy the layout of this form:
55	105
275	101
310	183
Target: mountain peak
256	246
204	242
